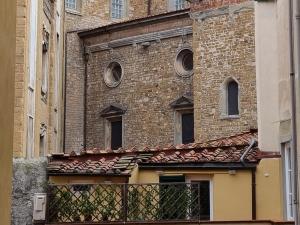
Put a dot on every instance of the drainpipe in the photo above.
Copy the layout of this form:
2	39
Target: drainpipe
86	57
293	98
149	7
253	178
252	143
253	189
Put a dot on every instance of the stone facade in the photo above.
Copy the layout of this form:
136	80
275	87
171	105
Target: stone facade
91	14
46	111
29	177
222	39
148	87
38	105
223	43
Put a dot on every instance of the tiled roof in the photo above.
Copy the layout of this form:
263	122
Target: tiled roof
122	161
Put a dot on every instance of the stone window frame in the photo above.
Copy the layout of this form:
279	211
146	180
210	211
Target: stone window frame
183	105
45	64
110	114
43	140
224	98
74	10
180	71
123	11
108	73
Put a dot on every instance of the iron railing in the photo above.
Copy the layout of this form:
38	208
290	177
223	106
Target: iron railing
127	202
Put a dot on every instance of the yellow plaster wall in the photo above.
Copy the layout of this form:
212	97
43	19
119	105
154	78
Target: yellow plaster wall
232	194
60	180
7	62
269	190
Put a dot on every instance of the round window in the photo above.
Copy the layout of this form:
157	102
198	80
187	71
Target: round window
184	63
113	74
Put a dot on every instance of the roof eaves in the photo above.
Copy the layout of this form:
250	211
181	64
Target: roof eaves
135	22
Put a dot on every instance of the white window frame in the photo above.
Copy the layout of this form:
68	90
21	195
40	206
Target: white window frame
71	4
175	5
211	188
288	180
32	55
118	9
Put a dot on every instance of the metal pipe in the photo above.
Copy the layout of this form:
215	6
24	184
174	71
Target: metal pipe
253	188
86	55
252	143
293	103
149	7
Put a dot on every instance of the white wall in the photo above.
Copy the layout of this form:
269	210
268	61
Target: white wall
272	73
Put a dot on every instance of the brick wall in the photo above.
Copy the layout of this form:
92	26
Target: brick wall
223	47
74	96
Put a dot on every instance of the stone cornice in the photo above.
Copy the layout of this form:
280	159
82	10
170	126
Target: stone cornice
229	9
139	39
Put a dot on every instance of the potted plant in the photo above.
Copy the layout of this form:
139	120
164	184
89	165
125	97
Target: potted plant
87	208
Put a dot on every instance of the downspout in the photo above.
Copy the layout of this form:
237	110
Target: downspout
293	102
253	178
149	7
86	56
252	143
65	91
253	190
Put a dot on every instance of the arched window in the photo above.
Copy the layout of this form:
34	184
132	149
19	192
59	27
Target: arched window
232	98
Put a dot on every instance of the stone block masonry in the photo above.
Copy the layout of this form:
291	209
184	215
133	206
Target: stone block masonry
29	177
149	85
224	47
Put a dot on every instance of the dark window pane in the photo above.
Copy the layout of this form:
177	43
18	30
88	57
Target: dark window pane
187	128
200	200
173	199
233	98
116	135
187	61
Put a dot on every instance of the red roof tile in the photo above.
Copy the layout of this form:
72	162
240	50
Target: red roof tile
122	161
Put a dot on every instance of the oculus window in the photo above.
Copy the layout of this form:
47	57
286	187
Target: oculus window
184	63
113	74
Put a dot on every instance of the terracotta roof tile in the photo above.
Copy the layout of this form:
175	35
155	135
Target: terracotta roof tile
122	161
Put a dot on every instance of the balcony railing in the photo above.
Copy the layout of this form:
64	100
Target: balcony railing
127	202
